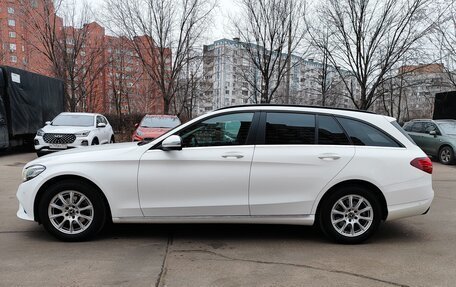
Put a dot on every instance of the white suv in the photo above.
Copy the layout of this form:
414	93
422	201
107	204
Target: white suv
345	171
70	130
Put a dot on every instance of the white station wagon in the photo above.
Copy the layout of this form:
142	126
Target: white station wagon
342	170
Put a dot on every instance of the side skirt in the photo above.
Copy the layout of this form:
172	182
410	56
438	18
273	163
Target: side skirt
284	219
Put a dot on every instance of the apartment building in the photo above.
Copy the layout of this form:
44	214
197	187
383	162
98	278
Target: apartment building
108	75
230	76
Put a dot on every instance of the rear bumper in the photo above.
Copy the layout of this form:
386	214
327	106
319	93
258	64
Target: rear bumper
409	209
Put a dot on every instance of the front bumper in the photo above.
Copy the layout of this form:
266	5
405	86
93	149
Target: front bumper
44	148
26	195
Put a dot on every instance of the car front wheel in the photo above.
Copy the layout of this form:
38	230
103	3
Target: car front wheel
72	211
350	215
446	155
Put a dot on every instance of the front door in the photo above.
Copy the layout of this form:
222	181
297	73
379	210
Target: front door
209	176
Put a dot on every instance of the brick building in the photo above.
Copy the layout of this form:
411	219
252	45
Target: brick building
107	75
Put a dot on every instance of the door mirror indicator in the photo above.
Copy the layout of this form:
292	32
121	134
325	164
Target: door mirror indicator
173	142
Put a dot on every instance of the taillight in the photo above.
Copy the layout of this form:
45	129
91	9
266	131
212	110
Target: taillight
423	163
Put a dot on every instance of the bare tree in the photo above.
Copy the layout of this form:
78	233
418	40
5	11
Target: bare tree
369	37
162	32
270	32
71	45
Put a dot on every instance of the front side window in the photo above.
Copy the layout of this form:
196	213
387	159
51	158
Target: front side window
330	132
225	130
429	127
366	135
418	127
290	128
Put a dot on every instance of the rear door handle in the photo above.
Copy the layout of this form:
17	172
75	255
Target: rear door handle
329	156
232	156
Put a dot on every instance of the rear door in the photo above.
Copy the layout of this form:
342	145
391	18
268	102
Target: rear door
294	160
416	133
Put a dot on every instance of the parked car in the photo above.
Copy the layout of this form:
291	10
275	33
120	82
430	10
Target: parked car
436	138
71	130
345	171
153	126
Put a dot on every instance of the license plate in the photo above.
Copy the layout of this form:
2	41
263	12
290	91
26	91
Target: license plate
58	146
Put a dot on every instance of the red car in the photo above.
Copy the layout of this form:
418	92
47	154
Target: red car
153	126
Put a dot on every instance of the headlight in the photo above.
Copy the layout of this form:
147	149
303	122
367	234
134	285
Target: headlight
32	172
139	133
82	134
40	133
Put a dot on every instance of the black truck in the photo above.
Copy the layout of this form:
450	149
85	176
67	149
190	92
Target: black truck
27	101
445	106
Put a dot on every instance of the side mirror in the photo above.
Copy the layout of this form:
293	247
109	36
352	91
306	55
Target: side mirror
173	142
101	125
47	123
136	125
433	133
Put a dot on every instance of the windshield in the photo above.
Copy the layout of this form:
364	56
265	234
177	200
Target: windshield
73	120
448	128
160	122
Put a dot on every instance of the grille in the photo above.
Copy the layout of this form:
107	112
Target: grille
59	138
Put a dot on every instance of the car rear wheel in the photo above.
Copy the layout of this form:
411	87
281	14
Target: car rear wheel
350	215
112	140
446	155
72	211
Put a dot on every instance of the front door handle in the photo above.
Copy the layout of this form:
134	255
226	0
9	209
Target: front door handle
232	156
329	157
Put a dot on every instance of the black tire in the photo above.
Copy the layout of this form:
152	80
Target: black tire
350	218
95	141
98	213
446	155
113	140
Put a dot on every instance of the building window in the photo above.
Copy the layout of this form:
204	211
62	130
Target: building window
12	34
34	3
11	22
13	59
12	47
10	10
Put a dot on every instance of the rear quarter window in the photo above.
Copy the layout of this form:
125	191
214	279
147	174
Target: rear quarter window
364	134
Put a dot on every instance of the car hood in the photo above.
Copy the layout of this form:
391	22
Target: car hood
152	132
96	153
65	129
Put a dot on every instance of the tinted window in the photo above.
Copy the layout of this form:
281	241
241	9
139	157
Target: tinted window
330	132
418	127
223	130
364	134
397	126
99	120
288	128
428	127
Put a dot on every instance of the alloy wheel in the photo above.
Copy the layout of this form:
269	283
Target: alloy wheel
70	212
352	215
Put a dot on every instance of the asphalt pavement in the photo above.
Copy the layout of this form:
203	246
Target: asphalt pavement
417	251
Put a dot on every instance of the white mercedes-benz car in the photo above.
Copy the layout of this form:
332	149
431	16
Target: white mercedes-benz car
71	130
344	171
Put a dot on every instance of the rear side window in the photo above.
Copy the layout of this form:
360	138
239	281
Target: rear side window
330	132
366	135
290	128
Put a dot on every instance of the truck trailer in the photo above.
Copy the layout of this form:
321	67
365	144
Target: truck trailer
445	106
27	101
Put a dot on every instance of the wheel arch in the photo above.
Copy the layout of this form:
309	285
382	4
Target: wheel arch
366	184
60	178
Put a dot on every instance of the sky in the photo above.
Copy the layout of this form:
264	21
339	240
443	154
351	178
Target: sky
221	17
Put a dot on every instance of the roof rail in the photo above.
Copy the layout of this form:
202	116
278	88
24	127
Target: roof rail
296	106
